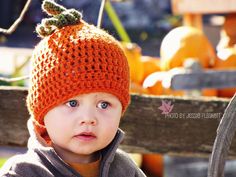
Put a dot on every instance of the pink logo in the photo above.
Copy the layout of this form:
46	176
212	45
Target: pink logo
166	107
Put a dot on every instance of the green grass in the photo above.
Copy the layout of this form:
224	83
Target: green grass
2	161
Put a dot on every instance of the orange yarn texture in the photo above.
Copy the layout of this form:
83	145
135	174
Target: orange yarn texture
74	60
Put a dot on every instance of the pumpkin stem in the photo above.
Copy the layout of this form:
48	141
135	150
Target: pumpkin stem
60	17
52	8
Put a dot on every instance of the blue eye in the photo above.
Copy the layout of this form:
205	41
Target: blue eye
103	105
72	103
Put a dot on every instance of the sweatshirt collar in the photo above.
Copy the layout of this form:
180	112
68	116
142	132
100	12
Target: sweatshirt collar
39	145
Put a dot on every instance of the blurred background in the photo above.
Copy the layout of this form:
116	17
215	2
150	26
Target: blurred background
144	20
155	34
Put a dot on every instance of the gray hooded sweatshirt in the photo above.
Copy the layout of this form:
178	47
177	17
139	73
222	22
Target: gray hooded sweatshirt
42	161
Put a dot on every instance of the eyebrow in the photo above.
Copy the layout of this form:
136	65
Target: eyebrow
103	95
108	96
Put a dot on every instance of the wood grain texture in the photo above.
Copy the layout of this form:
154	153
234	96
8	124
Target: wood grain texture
189	129
13	116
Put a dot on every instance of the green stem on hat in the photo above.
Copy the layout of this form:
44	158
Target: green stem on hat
51	8
60	17
116	22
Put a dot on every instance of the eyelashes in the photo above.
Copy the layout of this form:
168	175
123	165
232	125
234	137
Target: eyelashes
72	103
101	104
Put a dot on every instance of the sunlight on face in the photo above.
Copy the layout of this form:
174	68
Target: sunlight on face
83	125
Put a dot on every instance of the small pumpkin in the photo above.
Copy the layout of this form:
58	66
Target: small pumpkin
153	164
133	54
150	65
156	89
154	84
226	59
186	42
228	32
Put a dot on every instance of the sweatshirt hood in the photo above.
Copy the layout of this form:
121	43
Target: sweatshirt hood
35	140
38	144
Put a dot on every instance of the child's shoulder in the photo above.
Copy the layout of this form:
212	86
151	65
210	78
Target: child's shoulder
123	164
123	159
20	165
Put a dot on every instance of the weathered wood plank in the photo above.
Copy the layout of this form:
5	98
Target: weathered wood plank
189	129
203	6
204	79
13	116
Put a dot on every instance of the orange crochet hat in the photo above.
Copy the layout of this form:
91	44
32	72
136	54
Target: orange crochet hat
73	58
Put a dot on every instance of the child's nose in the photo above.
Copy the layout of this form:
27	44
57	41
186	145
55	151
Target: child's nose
87	117
88	121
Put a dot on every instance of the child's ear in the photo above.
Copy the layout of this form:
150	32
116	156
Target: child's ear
122	114
34	133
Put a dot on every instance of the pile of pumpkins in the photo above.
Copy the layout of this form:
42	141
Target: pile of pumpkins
180	44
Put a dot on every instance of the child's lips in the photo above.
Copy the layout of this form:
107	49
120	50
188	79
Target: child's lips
86	136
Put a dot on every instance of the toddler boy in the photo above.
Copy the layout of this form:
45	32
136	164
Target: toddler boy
79	89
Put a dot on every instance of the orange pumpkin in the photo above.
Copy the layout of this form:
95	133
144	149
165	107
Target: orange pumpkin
186	42
226	60
133	54
153	164
228	32
153	83
157	89
150	65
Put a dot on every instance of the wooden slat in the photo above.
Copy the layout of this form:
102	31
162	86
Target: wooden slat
203	6
204	79
189	129
13	116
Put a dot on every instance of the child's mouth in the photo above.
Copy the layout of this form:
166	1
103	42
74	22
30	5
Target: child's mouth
86	136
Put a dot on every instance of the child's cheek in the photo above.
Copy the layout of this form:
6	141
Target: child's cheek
67	110
106	114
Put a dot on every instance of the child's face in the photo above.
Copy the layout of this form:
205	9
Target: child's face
83	125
